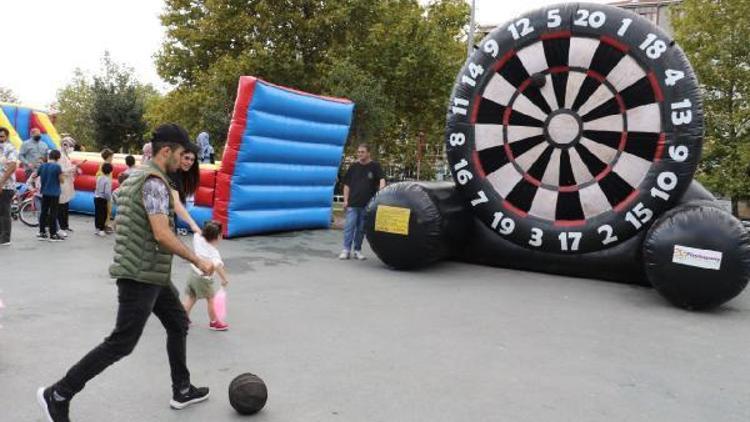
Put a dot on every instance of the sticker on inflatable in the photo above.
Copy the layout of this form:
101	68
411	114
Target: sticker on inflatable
693	257
392	220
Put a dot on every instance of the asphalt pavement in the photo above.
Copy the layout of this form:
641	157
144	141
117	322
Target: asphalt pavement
354	341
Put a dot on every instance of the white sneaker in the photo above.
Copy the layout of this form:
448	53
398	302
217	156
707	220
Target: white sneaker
358	256
6	244
100	233
344	254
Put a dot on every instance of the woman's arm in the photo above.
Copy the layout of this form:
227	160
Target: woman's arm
183	213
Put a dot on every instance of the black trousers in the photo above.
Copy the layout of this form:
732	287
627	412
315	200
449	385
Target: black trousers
6	198
62	215
100	213
48	216
136	303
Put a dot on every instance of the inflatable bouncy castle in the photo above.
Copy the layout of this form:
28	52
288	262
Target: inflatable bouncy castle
20	120
573	135
281	159
279	168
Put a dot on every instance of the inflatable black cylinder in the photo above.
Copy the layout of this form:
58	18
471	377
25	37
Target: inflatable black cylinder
412	224
697	256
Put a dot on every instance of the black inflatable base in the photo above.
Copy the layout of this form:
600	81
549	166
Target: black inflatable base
435	225
697	256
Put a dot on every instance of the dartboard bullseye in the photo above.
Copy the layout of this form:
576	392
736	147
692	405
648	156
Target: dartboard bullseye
573	127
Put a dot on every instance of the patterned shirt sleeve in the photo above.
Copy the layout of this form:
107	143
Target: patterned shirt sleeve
156	196
10	152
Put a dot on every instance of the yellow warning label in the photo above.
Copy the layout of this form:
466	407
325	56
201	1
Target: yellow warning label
392	220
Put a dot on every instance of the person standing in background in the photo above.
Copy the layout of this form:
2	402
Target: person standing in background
51	177
102	198
361	182
8	165
33	152
205	150
130	162
147	153
67	189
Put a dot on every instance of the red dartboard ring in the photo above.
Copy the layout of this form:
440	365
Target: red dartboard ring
573	127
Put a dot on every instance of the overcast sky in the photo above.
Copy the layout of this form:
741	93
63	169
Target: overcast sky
45	40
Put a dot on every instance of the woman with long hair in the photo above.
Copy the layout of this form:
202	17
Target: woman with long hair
185	182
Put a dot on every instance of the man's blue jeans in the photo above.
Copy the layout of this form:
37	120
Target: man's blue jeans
354	228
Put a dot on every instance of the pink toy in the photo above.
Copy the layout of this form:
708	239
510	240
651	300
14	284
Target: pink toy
220	304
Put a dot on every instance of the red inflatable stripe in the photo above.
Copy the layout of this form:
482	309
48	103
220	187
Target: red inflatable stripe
245	93
35	123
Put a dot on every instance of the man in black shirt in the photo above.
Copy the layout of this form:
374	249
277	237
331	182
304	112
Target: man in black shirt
363	179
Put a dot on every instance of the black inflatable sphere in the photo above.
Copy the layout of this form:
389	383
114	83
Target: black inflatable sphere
592	155
697	256
412	224
247	394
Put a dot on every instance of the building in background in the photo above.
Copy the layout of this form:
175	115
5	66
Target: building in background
657	11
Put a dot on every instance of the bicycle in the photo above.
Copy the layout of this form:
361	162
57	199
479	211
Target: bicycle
24	207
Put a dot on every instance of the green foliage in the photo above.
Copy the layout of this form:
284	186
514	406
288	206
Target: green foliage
106	110
395	59
714	36
75	102
118	107
7	95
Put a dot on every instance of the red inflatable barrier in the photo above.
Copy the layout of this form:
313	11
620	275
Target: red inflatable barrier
85	182
88	167
204	197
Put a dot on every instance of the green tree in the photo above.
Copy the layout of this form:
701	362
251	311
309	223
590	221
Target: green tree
714	36
118	107
396	59
75	104
7	95
107	109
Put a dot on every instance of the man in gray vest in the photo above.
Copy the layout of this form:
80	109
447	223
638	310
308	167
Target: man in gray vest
144	245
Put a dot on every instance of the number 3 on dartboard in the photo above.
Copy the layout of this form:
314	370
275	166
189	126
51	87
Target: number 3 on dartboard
536	237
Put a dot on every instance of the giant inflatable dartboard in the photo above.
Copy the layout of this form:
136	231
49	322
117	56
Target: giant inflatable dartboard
573	127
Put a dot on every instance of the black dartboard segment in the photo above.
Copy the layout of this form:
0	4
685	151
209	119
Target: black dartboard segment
572	128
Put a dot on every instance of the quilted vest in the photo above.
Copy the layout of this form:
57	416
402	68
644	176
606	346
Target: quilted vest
138	255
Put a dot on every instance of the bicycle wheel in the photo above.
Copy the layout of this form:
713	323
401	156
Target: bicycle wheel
29	213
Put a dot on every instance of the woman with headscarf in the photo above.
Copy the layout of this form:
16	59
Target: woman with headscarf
205	150
147	153
67	188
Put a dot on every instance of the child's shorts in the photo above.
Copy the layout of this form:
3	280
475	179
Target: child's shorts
199	287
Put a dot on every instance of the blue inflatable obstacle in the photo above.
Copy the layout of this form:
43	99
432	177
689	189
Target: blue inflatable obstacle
281	159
